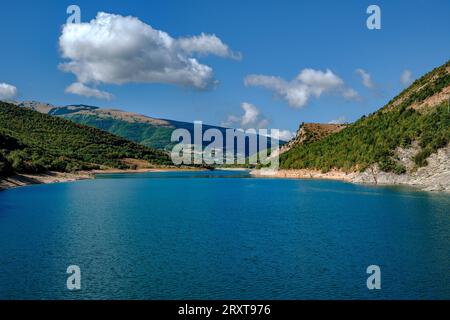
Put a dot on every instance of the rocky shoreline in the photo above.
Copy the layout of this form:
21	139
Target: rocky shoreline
20	180
381	178
305	174
433	177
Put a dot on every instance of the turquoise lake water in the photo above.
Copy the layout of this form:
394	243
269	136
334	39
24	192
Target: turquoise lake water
222	235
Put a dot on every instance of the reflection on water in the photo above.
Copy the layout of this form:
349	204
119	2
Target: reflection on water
222	235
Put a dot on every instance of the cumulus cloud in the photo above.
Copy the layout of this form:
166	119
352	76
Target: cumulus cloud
308	83
114	49
82	90
7	91
406	78
286	135
366	78
339	120
252	118
205	44
350	94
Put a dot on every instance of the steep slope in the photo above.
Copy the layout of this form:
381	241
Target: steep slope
417	120
151	132
311	132
35	142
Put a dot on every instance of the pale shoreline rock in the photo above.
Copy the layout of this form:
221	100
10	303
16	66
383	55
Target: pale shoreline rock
20	180
433	177
383	178
305	174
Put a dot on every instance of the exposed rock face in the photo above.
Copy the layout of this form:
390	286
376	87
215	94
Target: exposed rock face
433	177
37	106
310	132
20	180
130	117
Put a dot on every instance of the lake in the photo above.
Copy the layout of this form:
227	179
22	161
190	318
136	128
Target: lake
222	235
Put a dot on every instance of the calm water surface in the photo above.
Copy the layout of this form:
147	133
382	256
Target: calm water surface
222	235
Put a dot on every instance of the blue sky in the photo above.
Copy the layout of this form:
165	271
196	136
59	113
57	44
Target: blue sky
275	38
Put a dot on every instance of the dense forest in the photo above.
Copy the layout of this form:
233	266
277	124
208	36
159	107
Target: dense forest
373	139
32	142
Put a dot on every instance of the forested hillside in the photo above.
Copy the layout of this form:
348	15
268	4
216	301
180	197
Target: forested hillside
419	114
34	142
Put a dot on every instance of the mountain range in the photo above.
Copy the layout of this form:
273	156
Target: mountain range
151	132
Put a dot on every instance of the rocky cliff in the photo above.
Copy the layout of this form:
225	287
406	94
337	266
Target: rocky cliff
310	132
433	177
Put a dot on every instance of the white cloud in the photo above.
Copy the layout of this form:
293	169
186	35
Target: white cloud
406	78
252	118
205	44
350	94
82	90
308	83
7	91
115	49
286	135
283	135
339	120
366	78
